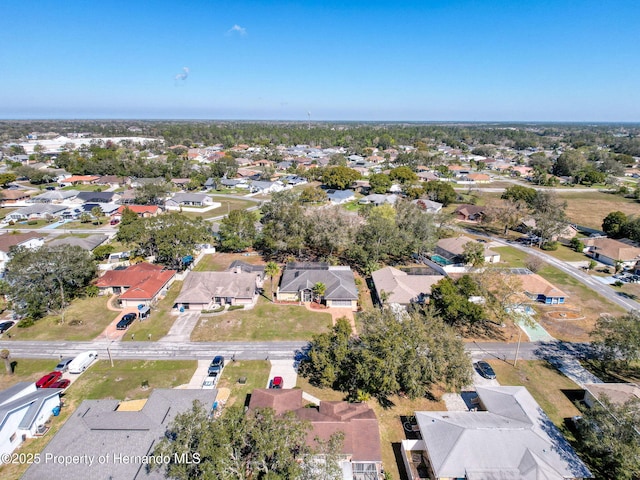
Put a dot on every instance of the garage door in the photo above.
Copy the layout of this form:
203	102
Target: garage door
341	303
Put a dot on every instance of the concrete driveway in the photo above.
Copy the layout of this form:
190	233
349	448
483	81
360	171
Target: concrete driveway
199	375
284	369
181	329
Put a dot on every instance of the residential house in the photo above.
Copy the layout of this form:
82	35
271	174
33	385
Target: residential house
116	430
470	213
610	251
428	176
264	187
338	197
529	225
86	243
293	180
143	211
31	240
141	182
429	206
36	211
204	290
453	249
234	183
180	182
509	437
478	178
379	199
458	170
113	181
55	196
10	197
539	289
361	454
80	180
401	287
142	283
298	279
96	197
24	411
188	200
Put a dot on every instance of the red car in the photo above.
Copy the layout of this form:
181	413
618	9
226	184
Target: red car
48	379
64	383
276	382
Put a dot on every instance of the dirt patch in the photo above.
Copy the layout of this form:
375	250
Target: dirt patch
564	315
570	324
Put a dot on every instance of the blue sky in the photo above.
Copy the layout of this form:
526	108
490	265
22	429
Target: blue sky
482	60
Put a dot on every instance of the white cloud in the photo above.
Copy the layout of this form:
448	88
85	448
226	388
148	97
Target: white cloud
182	76
237	29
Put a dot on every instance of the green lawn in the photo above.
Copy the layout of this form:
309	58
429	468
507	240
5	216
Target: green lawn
255	371
26	370
548	386
514	257
29	224
85	319
266	321
159	322
77	224
210	263
567	254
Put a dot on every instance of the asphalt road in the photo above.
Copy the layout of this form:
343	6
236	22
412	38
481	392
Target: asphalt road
255	350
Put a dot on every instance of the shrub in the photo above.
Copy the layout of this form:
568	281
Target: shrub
32	222
618	283
577	245
92	291
550	246
236	307
26	322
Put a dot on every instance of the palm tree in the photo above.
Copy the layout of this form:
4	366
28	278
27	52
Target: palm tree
319	290
271	269
6	356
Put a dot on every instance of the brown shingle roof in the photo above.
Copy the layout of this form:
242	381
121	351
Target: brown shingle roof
9	240
143	280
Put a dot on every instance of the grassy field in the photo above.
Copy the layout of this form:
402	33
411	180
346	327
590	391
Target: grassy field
78	225
548	386
29	224
567	254
255	371
159	322
389	419
84	319
590	208
266	321
217	262
123	382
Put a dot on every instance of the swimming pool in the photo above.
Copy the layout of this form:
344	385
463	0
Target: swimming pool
441	260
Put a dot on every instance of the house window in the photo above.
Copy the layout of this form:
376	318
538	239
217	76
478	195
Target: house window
117	290
12	438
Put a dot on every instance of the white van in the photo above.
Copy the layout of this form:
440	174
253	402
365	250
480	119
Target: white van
82	361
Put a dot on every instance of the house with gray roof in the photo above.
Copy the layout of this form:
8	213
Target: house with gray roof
298	280
42	210
508	437
116	431
205	290
87	243
396	286
340	196
378	199
97	197
55	196
263	187
24	410
188	200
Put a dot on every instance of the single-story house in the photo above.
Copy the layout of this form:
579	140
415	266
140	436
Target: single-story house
379	199
189	200
86	243
96	197
361	454
539	289
113	181
79	179
142	283
428	176
143	211
453	249
116	430
509	437
610	251
8	240
478	177
203	290
234	183
180	182
528	225
55	196
108	209
140	182
298	279
429	206
395	286
14	196
293	180
24	409
340	196
470	213
259	186
36	211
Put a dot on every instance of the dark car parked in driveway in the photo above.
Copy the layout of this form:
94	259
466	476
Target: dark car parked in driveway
217	364
63	383
126	320
485	370
4	326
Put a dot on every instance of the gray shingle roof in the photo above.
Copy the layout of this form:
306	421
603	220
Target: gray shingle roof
34	400
88	243
338	280
201	287
97	429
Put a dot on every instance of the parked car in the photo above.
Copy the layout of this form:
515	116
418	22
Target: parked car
48	379
485	370
63	366
217	364
4	326
82	361
62	383
126	320
210	382
276	382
